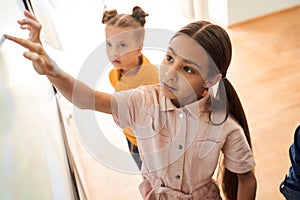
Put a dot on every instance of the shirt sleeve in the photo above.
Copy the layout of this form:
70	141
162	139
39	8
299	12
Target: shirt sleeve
122	111
238	155
131	108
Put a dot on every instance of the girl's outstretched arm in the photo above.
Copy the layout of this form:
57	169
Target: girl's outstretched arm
74	90
246	186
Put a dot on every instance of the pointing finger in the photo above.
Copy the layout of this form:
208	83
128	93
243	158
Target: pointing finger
15	39
35	47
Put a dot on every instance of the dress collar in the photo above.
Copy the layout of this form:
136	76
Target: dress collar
195	109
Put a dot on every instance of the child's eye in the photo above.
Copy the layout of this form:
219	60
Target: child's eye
122	45
169	58
188	69
108	44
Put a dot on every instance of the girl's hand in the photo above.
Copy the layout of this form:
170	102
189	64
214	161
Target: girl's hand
32	24
41	62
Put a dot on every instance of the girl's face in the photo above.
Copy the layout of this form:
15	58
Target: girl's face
122	48
182	71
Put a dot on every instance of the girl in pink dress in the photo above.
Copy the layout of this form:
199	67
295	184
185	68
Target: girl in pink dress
185	125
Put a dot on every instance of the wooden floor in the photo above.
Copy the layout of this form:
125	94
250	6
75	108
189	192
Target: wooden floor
266	73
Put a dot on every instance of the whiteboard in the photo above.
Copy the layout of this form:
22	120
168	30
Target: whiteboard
33	159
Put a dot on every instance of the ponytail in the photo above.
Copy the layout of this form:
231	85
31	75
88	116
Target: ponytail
229	180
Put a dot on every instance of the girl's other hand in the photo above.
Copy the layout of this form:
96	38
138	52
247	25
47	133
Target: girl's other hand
41	62
32	24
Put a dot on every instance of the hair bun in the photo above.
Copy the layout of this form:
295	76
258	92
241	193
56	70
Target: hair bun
139	14
108	15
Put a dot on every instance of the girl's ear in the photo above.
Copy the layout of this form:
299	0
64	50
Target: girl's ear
214	80
139	52
140	47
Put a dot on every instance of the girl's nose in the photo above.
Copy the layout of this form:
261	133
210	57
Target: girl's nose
116	53
171	74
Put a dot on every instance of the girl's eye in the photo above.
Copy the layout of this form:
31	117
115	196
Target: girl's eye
188	69
108	44
122	45
169	58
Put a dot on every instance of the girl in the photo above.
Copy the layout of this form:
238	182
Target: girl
181	125
131	67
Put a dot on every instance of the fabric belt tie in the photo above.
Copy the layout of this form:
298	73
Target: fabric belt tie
169	191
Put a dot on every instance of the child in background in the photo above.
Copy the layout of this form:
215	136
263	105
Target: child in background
131	68
181	125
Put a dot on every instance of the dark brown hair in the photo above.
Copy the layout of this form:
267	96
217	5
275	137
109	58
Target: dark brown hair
217	44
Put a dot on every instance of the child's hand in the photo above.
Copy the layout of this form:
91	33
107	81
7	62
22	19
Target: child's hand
41	62
33	25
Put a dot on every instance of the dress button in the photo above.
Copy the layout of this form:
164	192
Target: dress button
180	115
177	177
180	146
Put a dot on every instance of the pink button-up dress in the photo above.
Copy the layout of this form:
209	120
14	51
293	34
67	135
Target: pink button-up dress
180	147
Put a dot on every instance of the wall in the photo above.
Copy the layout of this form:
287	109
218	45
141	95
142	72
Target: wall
228	12
239	11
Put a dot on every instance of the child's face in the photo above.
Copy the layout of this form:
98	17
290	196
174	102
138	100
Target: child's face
182	71
122	48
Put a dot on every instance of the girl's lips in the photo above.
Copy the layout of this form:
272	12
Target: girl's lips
164	85
116	62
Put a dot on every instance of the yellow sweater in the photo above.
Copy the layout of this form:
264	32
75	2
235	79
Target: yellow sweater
147	75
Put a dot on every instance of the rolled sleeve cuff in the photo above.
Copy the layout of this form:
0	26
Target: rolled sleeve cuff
239	168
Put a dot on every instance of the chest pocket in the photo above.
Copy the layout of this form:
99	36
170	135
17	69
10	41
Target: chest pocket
210	145
204	148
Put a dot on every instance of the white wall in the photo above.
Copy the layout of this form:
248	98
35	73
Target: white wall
228	12
217	11
239	11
